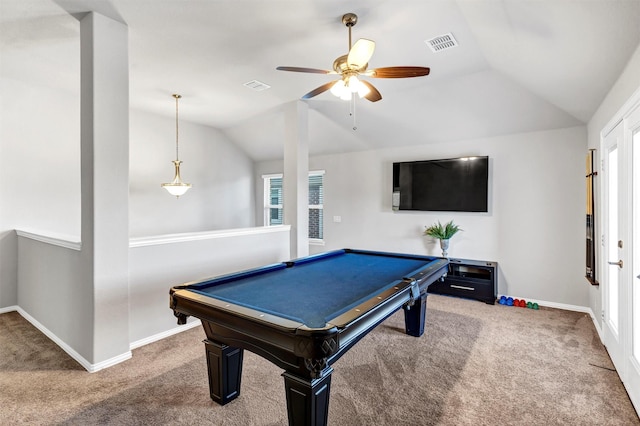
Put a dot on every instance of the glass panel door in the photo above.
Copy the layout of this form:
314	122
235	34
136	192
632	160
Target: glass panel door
613	301
635	214
612	227
632	379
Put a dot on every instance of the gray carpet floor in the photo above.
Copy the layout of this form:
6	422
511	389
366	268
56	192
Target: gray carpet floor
476	364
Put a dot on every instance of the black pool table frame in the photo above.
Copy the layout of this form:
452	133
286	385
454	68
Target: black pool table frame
306	354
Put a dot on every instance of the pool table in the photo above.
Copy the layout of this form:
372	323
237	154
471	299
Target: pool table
302	315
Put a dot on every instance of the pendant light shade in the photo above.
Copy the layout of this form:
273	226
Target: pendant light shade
176	186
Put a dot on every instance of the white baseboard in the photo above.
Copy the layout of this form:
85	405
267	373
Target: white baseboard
566	307
109	362
596	324
8	309
179	329
546	304
91	368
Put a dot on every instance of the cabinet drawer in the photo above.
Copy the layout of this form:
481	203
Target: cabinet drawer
465	288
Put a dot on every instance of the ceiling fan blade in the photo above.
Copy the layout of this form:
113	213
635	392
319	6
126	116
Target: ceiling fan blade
361	52
397	72
318	90
373	95
309	70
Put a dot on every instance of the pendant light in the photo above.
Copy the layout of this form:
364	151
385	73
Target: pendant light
177	187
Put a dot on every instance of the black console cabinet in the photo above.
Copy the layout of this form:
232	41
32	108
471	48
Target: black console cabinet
474	279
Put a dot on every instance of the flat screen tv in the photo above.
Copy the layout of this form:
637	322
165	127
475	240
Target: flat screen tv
454	185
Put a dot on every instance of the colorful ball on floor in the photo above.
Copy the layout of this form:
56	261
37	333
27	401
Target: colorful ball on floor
503	300
509	301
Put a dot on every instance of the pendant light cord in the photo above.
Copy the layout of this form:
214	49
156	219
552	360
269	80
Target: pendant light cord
177	97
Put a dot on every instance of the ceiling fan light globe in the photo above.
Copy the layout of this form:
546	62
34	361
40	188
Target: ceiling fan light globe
353	84
363	90
346	95
338	88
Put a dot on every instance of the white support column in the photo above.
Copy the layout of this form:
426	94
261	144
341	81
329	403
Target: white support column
296	176
104	105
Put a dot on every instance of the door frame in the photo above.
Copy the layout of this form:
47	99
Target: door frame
629	371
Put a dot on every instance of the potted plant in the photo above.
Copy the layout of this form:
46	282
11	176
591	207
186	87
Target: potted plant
442	233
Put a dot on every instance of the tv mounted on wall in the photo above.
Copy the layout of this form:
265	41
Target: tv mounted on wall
453	184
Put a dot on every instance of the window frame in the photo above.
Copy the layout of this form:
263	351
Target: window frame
317	241
267	206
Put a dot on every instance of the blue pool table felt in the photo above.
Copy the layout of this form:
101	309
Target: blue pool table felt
315	291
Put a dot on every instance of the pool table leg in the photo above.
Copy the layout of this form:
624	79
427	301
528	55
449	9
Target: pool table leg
308	399
414	316
225	371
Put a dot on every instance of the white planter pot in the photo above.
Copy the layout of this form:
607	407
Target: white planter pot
444	245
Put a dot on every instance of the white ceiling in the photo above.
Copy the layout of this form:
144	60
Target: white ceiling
520	65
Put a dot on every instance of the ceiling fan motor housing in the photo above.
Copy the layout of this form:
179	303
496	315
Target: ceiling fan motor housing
340	66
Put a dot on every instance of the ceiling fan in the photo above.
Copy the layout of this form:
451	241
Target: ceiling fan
354	65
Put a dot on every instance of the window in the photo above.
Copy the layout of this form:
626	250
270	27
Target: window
316	204
273	214
273	203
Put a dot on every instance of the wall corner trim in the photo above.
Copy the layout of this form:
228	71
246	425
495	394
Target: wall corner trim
206	235
53	239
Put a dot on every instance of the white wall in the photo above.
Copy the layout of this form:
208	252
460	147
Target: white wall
104	183
55	292
40	148
625	86
157	264
534	228
221	175
40	173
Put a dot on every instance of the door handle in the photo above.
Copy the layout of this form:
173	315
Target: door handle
619	263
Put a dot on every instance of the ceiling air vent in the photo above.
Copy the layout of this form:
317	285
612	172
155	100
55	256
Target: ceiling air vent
256	85
443	42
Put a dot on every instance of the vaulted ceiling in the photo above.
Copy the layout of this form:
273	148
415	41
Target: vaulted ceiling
520	65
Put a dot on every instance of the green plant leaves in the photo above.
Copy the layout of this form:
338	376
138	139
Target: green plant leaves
442	232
